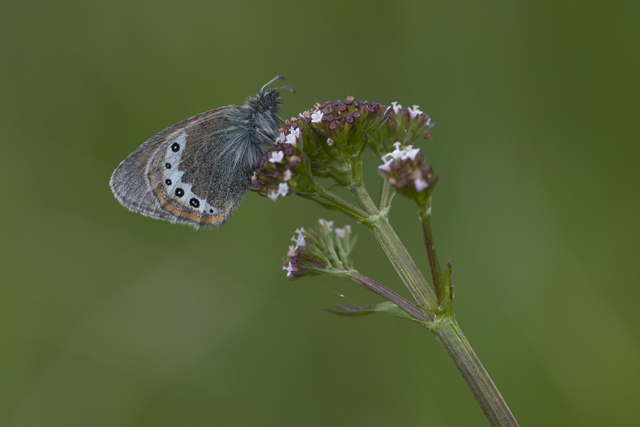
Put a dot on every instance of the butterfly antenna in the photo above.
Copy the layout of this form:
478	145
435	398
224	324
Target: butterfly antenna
285	87
271	81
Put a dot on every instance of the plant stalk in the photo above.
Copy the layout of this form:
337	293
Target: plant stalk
395	250
495	408
436	271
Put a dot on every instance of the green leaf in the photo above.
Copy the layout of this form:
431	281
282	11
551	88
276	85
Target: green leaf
387	307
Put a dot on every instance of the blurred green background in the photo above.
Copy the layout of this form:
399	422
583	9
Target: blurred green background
108	318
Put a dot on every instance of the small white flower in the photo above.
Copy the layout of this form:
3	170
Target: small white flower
299	239
293	136
287	175
395	154
273	195
289	269
292	251
276	157
326	224
317	117
396	107
420	184
413	112
329	142
342	232
281	138
411	152
291	139
283	189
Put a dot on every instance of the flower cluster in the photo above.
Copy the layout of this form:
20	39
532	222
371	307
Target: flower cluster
334	133
406	170
320	250
328	141
284	169
340	121
401	124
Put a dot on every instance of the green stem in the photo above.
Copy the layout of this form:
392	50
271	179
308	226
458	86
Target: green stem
396	252
332	201
485	391
385	191
389	295
436	271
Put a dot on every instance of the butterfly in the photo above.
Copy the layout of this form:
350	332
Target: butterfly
197	171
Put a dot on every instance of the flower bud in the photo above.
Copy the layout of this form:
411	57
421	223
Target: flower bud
320	250
401	124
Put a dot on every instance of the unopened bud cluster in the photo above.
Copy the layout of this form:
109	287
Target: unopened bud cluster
401	124
320	250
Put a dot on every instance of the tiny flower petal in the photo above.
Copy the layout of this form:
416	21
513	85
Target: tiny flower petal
317	117
283	189
299	239
291	139
287	175
280	138
289	269
396	107
413	112
411	152
326	224
347	228
340	232
273	195
293	136
329	142
420	184
276	157
386	166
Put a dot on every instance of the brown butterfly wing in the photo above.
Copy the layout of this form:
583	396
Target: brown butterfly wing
155	179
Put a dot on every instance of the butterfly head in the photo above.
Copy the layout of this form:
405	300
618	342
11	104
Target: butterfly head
268	100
